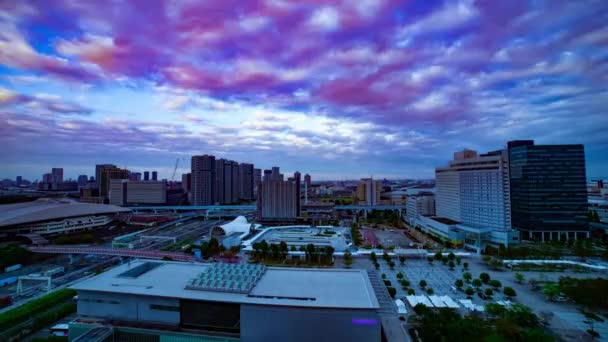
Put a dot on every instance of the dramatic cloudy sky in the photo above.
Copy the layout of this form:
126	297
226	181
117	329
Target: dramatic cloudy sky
339	89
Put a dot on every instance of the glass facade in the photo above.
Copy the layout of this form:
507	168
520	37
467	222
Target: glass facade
548	187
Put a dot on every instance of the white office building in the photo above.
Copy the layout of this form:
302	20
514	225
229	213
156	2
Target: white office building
472	198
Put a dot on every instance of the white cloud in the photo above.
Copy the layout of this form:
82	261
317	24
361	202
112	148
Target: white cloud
325	19
253	24
451	15
433	101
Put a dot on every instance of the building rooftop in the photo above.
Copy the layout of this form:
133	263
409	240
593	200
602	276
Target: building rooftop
323	288
45	209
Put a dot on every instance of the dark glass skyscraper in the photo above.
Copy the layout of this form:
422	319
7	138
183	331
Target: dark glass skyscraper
548	190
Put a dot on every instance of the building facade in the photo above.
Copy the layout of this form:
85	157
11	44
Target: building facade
98	170
57	173
246	181
124	192
548	190
472	202
277	198
107	174
368	191
203	177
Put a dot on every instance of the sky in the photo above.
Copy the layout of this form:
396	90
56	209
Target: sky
337	89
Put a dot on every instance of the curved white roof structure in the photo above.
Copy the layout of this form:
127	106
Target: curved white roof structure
238	225
46	209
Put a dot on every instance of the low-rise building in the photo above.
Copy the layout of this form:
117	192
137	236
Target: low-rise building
229	302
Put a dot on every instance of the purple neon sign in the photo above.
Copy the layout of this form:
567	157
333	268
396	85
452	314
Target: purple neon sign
364	321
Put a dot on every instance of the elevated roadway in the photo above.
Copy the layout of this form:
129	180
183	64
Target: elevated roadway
112	252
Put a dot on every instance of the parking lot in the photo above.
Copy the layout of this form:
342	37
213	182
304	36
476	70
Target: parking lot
437	276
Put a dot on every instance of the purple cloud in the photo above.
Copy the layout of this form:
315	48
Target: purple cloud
412	70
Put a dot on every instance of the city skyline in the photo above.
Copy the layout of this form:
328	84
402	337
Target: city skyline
339	90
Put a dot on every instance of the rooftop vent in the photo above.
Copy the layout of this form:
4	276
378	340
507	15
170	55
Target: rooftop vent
239	278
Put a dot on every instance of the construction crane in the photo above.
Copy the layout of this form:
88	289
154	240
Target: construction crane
175	169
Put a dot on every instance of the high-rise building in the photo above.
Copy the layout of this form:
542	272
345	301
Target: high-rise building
146	175
186	182
277	199
276	174
203	179
107	175
474	190
246	181
57	173
82	180
124	192
297	177
218	189
235	184
548	190
135	176
154	175
368	191
307	181
98	170
257	179
18	180
47	178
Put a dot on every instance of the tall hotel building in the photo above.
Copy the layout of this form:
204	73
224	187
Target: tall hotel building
474	190
548	190
203	177
472	201
277	198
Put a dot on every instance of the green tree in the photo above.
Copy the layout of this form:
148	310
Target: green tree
465	265
383	276
402	259
485	278
469	291
467	276
283	249
551	290
451	264
399	275
495	283
411	292
451	256
509	292
476	282
458	260
392	291
348	259
459	283
429	291
519	277
422	283
373	257
438	256
489	292
405	283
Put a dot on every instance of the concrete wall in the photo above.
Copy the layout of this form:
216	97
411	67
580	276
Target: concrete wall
274	323
127	308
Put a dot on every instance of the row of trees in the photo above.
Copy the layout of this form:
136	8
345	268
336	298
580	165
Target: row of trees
549	250
213	248
264	251
517	323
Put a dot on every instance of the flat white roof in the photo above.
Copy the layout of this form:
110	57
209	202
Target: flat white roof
327	288
51	209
